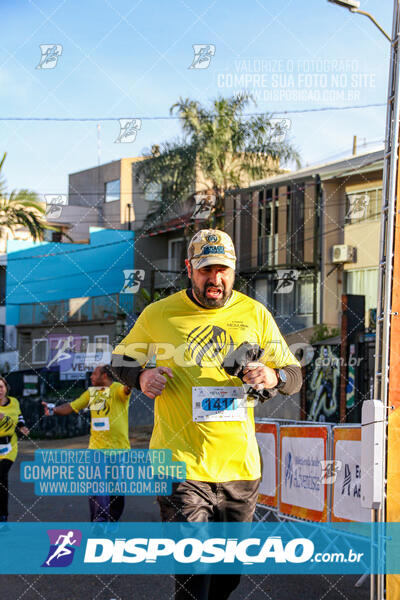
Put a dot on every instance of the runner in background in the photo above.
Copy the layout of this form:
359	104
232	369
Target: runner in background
108	402
11	420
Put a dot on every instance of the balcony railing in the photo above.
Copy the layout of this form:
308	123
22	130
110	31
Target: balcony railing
97	308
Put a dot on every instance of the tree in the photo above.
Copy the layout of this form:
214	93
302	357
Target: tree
323	332
21	208
222	149
171	167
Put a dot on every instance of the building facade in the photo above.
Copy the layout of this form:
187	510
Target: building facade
70	300
307	237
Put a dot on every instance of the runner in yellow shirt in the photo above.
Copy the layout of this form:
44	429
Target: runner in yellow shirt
11	419
108	402
201	413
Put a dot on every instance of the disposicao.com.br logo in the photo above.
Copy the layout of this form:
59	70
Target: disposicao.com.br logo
62	547
212	550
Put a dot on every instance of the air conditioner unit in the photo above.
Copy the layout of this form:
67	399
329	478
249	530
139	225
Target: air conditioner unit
343	254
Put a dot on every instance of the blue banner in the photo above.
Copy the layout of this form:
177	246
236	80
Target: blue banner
156	548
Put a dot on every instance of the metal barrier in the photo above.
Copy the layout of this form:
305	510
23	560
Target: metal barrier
316	470
53	427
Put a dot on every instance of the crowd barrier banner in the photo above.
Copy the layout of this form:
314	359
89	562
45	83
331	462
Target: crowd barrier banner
302	491
346	475
267	437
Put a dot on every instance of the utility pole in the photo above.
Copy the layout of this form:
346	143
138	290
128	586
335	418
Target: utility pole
354	145
387	325
386	486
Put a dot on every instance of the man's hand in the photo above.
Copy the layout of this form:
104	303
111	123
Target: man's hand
46	409
24	430
259	376
152	381
51	409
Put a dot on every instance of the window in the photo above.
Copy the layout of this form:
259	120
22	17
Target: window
267	227
295	223
268	213
82	344
153	192
276	210
293	310
305	300
39	350
112	190
365	283
56	236
175	250
101	343
364	205
284	304
263	292
288	212
260	213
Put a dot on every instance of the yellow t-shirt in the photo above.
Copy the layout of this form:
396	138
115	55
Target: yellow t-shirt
109	423
8	424
193	342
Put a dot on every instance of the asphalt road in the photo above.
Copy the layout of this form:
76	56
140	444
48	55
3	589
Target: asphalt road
25	506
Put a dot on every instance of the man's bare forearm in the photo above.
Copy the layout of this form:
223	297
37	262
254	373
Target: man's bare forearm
63	409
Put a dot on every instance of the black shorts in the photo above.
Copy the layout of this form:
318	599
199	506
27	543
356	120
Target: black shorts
202	501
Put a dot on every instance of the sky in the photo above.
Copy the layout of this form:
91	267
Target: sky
131	59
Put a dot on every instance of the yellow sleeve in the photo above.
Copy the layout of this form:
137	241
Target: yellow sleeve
81	402
120	392
138	344
276	351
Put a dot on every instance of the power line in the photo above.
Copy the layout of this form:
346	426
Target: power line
174	118
89	247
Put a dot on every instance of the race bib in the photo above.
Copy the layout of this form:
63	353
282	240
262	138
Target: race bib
219	404
100	424
5	449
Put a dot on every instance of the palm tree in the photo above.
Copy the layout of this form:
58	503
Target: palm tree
223	149
21	208
172	167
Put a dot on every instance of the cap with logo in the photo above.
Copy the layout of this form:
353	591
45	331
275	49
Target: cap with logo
211	247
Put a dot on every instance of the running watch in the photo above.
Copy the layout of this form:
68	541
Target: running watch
282	379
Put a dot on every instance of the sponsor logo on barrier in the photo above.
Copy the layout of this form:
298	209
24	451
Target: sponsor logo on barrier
288	470
62	547
347	487
299	472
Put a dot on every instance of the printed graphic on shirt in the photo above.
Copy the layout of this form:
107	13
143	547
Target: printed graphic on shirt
207	344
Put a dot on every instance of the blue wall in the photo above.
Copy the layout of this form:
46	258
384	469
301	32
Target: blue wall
48	271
